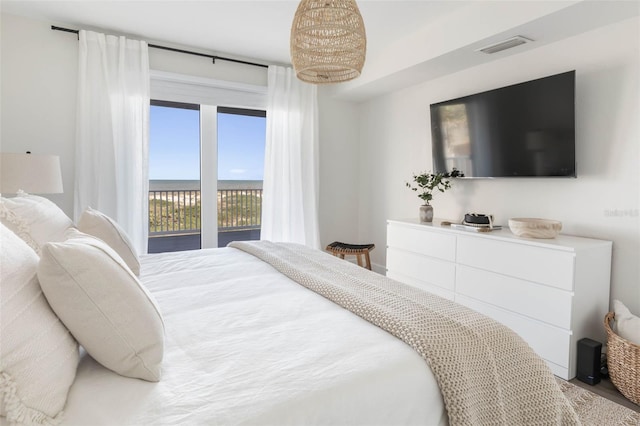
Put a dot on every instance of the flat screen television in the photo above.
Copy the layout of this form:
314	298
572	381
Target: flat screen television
523	130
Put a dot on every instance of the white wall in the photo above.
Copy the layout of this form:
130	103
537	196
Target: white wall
38	101
339	165
38	88
395	141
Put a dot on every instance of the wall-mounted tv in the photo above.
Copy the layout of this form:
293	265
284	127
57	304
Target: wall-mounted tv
523	130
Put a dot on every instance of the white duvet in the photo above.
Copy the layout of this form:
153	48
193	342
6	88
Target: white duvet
246	345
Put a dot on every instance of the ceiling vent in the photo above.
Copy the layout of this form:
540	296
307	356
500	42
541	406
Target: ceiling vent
504	45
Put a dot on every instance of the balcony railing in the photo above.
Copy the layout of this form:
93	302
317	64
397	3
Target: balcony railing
174	210
239	209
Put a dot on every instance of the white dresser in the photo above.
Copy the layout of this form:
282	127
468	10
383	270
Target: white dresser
552	292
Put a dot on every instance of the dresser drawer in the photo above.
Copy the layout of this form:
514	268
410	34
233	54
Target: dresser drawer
423	268
548	304
537	264
551	343
429	243
438	291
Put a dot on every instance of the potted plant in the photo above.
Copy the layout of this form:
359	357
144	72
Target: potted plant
425	184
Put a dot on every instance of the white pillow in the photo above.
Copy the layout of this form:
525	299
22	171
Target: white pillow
99	225
35	219
627	324
38	355
103	304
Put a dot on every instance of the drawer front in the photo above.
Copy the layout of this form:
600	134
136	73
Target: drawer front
547	304
422	268
561	372
538	264
429	243
551	343
439	291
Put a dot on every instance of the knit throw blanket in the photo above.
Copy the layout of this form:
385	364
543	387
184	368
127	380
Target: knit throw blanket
487	374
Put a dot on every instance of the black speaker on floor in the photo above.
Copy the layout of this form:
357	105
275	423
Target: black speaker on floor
589	361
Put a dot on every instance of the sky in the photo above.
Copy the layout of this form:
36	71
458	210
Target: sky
174	145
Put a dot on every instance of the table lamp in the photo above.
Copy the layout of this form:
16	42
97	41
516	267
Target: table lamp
31	173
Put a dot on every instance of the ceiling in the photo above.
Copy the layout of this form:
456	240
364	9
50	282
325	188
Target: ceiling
256	29
407	41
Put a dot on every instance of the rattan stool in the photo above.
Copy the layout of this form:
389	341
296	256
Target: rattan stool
358	250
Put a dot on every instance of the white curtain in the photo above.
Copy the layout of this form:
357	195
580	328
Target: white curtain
112	132
290	202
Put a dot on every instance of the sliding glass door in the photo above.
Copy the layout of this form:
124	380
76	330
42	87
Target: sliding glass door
174	177
205	175
241	140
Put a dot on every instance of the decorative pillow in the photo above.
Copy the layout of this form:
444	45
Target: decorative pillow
35	219
103	304
38	355
627	324
99	225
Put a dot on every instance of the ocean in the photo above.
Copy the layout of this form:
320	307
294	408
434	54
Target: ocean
194	185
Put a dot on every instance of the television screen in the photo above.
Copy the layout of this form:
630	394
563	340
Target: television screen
524	130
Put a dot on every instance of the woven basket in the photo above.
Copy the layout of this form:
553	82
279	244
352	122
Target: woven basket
623	361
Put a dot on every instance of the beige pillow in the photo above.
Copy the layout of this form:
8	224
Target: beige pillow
103	304
627	324
37	220
38	355
99	225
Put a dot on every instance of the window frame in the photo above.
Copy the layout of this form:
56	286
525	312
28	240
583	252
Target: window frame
211	96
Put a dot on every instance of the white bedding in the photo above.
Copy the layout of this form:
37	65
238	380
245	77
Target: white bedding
246	345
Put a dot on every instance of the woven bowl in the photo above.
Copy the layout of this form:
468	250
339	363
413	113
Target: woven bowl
535	228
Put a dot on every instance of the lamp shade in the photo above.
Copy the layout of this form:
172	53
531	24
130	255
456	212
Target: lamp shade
32	173
328	41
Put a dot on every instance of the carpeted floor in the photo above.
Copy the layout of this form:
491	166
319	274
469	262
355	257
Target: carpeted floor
596	410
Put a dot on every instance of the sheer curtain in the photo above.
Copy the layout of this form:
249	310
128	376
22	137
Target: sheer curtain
290	202
112	132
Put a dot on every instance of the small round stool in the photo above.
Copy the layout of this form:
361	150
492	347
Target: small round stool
358	250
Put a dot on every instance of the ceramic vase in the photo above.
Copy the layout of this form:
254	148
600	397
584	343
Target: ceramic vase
426	213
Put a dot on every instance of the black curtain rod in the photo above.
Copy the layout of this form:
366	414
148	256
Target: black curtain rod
171	49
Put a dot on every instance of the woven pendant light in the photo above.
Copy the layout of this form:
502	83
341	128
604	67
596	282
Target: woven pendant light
328	41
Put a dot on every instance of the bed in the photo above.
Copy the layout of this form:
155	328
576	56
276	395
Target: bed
245	345
248	339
